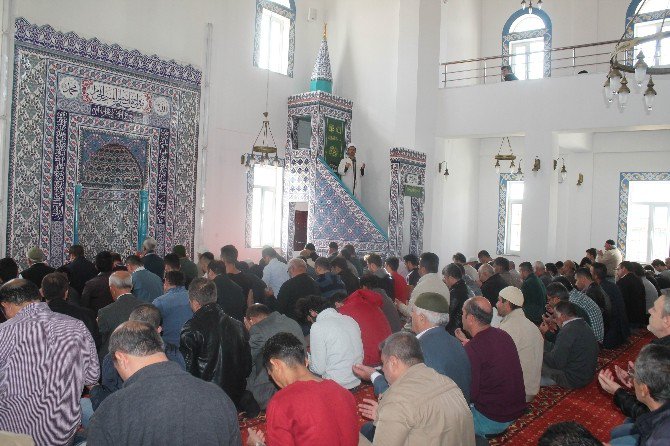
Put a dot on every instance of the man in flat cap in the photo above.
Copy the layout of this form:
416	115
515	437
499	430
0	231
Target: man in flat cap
611	256
526	336
37	269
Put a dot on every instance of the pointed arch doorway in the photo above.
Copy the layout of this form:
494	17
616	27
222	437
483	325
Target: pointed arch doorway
111	201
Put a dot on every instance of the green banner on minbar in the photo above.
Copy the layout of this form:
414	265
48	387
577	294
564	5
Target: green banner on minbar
334	149
412	190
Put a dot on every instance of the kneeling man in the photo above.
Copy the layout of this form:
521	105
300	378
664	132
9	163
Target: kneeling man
421	406
573	360
307	410
157	390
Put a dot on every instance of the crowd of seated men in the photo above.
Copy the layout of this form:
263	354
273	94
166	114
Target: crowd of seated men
159	349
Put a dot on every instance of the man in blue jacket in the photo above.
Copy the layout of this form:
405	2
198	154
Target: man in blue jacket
146	285
442	352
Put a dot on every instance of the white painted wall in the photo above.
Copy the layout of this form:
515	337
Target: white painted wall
384	55
473	29
595	204
454	209
622	152
565	116
586	215
574	22
363	43
460	36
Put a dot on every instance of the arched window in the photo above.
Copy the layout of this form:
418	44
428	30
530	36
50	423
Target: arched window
274	41
649	21
526	44
527	22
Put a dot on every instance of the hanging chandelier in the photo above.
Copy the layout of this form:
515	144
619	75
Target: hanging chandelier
529	6
263	149
504	157
622	63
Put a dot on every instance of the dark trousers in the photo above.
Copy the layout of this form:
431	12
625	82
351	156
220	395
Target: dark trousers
368	431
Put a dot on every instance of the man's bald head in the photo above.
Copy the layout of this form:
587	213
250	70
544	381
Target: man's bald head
120	283
480	309
121	279
483	303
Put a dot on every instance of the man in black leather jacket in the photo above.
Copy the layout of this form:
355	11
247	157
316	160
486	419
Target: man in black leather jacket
215	346
458	294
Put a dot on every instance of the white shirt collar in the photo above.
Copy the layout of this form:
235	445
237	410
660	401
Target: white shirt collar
418	336
571	320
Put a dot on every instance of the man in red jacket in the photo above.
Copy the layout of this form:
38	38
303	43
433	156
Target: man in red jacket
364	306
399	282
307	410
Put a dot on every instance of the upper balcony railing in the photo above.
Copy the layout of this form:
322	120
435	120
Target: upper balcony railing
565	61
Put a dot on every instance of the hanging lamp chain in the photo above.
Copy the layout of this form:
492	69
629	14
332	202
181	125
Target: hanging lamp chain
507	157
264	147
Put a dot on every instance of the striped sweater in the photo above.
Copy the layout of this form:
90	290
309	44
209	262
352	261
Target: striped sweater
46	358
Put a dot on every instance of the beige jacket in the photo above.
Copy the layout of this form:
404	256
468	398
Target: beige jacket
423	408
530	346
12	439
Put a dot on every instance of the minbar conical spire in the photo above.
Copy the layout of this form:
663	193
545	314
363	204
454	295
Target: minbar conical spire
322	77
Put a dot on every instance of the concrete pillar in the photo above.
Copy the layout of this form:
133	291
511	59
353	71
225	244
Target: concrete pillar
539	221
418	74
417	82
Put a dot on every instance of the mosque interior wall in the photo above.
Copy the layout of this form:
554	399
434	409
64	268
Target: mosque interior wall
380	61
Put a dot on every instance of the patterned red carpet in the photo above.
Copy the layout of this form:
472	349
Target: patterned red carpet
590	406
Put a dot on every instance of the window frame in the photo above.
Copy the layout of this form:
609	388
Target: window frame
503	210
624	189
290	14
545	33
528	63
279	205
664	43
650	230
508	221
632	21
522	18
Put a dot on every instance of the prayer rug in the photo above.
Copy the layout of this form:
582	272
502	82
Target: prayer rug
590	406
